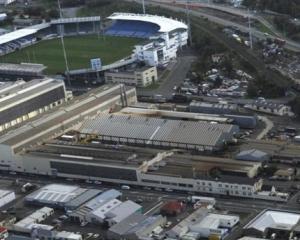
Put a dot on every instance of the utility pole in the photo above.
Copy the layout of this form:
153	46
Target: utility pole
63	45
188	21
144	7
250	30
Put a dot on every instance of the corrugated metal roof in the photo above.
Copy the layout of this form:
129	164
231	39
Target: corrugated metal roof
83	198
155	129
123	211
128	224
103	198
55	193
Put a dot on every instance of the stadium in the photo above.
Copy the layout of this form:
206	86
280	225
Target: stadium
135	37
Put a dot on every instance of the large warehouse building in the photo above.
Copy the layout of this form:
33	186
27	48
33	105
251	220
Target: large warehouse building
136	130
6	197
55	123
21	101
24	71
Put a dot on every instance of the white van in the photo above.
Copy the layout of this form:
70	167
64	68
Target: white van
125	187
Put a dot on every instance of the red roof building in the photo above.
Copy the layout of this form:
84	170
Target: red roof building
172	208
3	233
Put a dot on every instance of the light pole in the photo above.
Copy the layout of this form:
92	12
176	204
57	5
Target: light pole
250	30
144	7
188	21
63	44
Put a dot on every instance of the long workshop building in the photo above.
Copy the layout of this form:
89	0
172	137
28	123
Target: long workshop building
20	101
55	123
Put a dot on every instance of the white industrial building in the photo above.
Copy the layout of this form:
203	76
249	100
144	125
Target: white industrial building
33	220
3	16
22	100
64	196
135	227
275	223
204	224
270	108
99	215
6	2
252	238
6	196
95	209
32	225
121	212
214	224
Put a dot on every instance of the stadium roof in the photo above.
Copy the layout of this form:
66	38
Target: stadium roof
22	68
165	24
274	219
76	20
16	35
24	32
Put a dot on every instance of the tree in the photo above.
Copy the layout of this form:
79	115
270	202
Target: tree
295	105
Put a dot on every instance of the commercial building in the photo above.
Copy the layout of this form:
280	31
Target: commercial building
121	212
204	224
23	71
92	210
6	196
140	77
214	225
33	220
172	208
151	111
275	223
246	121
229	111
284	174
21	100
136	226
270	108
213	108
61	196
136	130
182	227
252	238
253	155
3	233
31	226
99	215
166	170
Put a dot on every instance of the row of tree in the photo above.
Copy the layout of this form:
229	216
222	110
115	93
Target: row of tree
289	7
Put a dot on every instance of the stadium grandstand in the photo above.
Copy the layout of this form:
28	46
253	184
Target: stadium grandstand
24	37
165	36
142	25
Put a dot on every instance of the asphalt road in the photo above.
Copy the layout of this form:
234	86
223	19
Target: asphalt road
178	71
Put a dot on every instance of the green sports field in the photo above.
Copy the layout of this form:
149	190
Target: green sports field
80	50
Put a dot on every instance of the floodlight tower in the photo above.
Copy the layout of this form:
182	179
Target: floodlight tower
144	7
188	21
63	44
250	30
